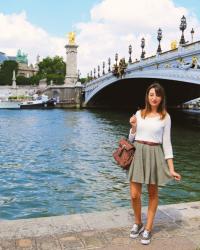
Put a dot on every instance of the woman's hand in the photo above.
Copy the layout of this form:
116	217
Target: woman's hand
133	121
176	175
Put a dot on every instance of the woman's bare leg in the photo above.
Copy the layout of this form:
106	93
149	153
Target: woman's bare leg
153	204
135	192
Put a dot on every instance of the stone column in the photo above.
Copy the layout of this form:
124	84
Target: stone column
14	80
71	65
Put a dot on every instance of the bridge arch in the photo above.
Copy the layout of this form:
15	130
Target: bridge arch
129	91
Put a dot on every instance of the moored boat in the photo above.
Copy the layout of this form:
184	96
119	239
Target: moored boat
6	104
38	102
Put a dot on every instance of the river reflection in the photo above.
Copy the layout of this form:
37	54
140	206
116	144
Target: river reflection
56	162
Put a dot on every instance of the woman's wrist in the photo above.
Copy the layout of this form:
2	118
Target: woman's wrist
133	129
170	165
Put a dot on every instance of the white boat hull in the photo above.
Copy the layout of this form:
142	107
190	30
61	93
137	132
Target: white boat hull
9	105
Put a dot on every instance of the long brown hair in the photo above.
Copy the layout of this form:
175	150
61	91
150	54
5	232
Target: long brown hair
161	108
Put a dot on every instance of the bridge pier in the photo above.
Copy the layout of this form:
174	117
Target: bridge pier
66	96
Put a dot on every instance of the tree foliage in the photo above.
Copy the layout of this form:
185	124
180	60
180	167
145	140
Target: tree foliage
6	72
53	69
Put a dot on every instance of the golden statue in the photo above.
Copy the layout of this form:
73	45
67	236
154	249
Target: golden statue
194	60
173	44
71	37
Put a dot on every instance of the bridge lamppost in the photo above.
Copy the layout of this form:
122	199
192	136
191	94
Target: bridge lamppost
116	58
79	75
192	34
94	73
88	77
130	52
91	74
142	46
182	27
103	68
98	68
109	63
159	37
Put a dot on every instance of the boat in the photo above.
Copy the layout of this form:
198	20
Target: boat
7	104
38	102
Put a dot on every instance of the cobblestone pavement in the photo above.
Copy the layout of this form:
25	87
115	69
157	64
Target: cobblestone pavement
176	227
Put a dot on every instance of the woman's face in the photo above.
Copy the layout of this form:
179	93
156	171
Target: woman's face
153	99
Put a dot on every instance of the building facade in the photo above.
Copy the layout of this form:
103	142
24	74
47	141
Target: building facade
23	68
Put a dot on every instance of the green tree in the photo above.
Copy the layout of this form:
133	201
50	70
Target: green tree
22	80
34	80
6	72
52	69
83	80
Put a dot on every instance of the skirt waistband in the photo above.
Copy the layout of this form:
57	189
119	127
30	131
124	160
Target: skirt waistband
148	143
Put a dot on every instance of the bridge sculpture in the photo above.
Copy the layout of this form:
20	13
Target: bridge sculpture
177	69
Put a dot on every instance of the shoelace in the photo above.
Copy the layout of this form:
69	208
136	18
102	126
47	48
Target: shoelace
145	234
135	228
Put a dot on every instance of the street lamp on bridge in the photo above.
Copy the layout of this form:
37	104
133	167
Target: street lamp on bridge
98	68
116	58
182	27
94	73
79	73
109	63
159	37
103	68
142	46
130	52
192	34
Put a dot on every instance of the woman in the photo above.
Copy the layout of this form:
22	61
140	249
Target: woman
153	161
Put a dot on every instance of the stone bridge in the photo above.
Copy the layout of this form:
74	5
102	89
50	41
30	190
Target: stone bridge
178	70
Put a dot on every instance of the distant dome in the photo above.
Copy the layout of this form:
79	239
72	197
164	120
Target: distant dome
3	57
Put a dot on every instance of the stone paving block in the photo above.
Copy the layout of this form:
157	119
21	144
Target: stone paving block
195	239
176	243
191	224
71	242
121	241
182	211
92	239
7	230
32	227
48	243
117	248
99	220
25	244
69	223
7	245
109	219
162	217
114	233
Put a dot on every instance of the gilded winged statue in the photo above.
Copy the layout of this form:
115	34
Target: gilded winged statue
71	37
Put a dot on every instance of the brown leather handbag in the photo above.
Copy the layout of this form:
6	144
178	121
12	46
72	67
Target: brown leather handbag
124	154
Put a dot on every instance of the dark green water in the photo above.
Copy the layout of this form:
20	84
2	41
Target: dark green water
55	162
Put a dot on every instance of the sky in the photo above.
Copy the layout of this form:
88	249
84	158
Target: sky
103	27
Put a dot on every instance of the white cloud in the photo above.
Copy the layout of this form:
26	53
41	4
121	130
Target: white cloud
113	25
18	33
116	24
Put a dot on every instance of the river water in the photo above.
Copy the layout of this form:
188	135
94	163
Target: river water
56	162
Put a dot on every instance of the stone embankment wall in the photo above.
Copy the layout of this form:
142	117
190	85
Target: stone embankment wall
18	91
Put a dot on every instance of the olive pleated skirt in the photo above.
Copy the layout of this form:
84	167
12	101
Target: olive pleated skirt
149	165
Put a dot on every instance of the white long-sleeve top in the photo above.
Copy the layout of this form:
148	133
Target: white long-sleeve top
153	129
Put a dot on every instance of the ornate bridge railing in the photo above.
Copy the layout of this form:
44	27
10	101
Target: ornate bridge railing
181	64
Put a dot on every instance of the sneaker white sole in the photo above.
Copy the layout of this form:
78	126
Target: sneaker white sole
133	236
145	242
